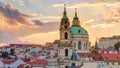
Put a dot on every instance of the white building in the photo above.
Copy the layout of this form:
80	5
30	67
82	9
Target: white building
73	40
108	41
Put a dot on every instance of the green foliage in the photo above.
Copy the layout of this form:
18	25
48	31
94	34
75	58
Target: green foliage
117	46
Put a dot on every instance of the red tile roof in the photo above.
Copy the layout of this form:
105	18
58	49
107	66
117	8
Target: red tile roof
97	57
84	54
9	61
111	57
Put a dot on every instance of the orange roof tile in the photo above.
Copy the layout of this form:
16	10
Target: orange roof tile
9	61
111	57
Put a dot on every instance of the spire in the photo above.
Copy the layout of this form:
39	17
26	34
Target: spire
75	17
64	8
75	11
96	43
65	13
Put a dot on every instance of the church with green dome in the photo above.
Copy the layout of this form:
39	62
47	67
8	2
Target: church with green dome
74	39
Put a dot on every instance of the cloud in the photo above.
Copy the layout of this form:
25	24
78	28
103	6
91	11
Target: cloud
3	44
108	0
86	4
13	16
45	18
40	38
37	22
103	25
1	4
58	5
21	3
14	24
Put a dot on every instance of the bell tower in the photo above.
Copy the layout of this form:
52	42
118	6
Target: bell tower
64	26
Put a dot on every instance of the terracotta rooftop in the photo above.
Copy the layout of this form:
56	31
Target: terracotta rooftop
111	57
84	54
9	61
97	57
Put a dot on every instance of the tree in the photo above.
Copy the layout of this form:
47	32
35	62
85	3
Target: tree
117	46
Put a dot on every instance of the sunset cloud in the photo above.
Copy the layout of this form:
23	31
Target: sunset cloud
15	24
28	21
13	16
40	38
58	5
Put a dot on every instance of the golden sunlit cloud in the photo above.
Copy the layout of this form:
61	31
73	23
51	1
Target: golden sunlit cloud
40	38
58	5
99	18
103	25
3	44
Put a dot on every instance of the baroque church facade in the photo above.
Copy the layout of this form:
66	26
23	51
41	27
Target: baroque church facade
74	39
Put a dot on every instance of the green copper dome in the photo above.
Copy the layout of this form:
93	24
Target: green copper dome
75	30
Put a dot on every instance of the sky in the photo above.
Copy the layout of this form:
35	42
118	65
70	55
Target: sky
37	21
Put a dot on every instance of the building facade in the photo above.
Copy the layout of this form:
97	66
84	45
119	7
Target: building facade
106	42
74	39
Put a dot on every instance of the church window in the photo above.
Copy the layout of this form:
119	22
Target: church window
79	31
66	52
79	45
84	46
74	45
66	35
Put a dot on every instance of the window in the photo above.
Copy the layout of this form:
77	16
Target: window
113	63
79	31
107	63
66	27
86	46
66	35
79	45
74	45
66	52
66	22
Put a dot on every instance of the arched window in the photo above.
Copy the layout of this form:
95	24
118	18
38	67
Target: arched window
79	45
79	31
84	46
66	52
74	45
66	35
